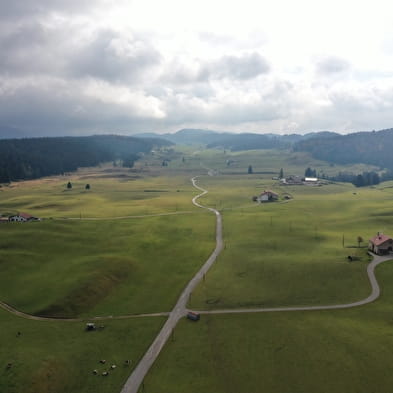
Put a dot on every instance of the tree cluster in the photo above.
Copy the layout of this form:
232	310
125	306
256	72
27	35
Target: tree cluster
310	172
360	180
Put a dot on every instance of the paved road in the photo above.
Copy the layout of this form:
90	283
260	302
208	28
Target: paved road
179	311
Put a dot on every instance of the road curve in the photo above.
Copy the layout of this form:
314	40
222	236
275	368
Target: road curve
375	292
179	311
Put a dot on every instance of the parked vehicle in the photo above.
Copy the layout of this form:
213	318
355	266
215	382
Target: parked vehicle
193	316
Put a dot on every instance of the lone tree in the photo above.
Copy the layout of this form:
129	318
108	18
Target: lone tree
360	240
87	186
281	175
69	185
249	169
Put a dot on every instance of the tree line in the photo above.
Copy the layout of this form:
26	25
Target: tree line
31	158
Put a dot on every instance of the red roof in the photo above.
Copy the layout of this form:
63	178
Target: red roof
268	192
25	215
379	239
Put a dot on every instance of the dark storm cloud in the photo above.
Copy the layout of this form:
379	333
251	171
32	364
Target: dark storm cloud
57	107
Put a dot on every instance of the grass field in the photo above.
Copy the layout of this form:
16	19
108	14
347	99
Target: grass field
114	192
59	357
289	352
73	268
275	255
281	254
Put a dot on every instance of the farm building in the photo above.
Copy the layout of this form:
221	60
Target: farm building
311	180
380	244
292	180
23	217
267	196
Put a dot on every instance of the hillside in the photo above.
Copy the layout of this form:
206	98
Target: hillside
235	142
37	157
373	148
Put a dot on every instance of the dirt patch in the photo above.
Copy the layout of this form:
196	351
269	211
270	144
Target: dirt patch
50	377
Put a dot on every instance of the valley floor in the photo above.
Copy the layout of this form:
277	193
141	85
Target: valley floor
275	255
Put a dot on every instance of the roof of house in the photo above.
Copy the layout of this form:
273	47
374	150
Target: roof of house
310	179
23	215
268	192
380	239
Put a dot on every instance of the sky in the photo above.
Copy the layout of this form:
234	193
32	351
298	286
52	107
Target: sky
78	67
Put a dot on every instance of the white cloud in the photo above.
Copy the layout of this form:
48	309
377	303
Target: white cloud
79	66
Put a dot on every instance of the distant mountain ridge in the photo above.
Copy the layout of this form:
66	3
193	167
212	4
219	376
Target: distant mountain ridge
233	141
369	147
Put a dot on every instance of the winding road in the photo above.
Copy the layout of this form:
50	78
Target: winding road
180	310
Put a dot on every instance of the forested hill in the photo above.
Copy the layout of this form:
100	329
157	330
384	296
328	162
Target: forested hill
37	157
237	142
362	147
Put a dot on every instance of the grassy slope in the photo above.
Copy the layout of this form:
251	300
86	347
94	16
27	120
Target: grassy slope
69	268
293	352
59	357
290	253
57	353
114	192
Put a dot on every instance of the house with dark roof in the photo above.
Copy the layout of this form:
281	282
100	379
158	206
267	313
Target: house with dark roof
380	244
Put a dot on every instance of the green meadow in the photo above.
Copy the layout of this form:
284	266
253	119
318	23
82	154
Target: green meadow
114	192
291	252
283	352
98	268
60	357
287	253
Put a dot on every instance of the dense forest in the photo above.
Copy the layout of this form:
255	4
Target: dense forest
373	148
36	157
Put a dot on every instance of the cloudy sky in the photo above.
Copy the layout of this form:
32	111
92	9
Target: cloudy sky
93	66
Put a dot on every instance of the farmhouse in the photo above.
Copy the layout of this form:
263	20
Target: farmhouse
267	196
380	244
23	217
292	180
